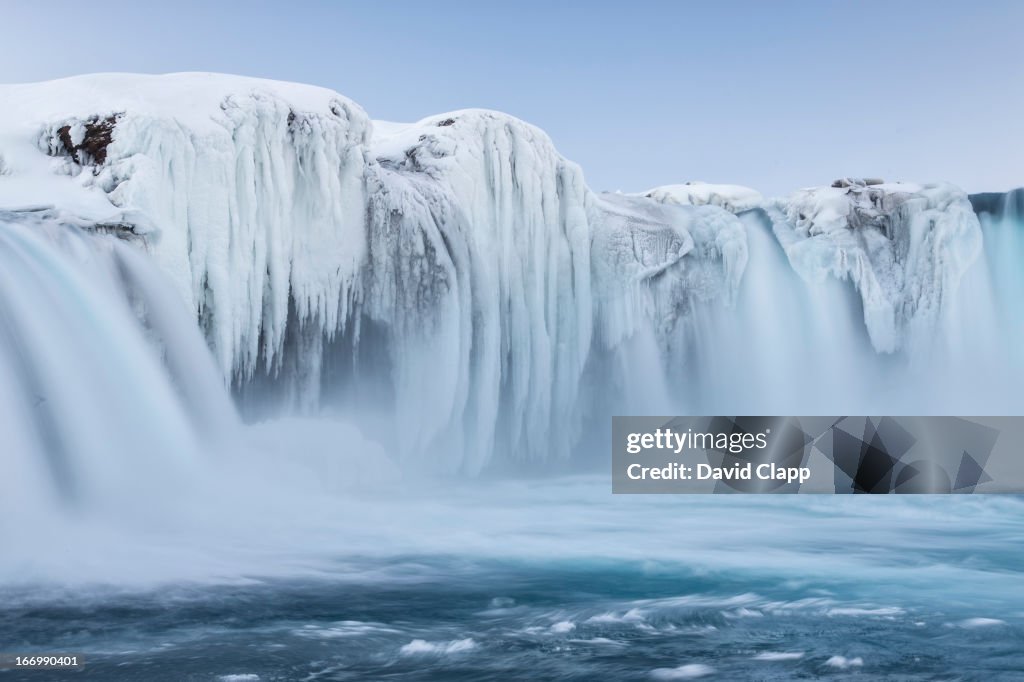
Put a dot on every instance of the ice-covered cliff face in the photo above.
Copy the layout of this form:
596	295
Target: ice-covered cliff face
480	268
249	193
500	276
905	247
453	282
459	268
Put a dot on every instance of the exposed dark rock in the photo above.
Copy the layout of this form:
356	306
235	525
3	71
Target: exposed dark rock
92	150
446	122
1003	204
120	229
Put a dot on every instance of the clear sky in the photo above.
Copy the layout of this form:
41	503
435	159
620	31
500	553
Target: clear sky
775	95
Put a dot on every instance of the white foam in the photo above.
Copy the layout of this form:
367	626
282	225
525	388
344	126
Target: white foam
779	656
883	612
631	616
973	623
343	629
843	663
690	671
603	641
743	612
418	647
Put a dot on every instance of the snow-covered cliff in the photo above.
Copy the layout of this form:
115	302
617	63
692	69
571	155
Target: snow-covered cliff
249	193
291	226
455	274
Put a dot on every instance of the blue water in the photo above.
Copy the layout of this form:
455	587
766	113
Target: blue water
549	581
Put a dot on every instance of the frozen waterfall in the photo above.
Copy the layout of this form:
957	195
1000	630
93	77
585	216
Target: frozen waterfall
451	286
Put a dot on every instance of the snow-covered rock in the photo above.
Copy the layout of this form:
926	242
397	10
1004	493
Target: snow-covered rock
903	246
733	198
251	191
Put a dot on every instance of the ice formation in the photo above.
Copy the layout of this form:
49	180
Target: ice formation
905	247
456	275
249	194
466	239
476	217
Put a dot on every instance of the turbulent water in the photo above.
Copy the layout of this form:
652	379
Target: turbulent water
557	580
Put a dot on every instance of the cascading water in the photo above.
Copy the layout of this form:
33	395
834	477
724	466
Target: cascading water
107	391
786	347
793	346
1002	219
456	276
112	364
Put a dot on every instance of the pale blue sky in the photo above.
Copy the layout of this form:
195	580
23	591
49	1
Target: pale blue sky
775	95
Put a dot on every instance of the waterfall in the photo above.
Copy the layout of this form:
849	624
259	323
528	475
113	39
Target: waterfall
785	347
115	413
1002	219
111	397
793	346
107	390
452	286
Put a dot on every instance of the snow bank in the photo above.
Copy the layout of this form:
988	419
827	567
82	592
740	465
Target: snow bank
733	198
